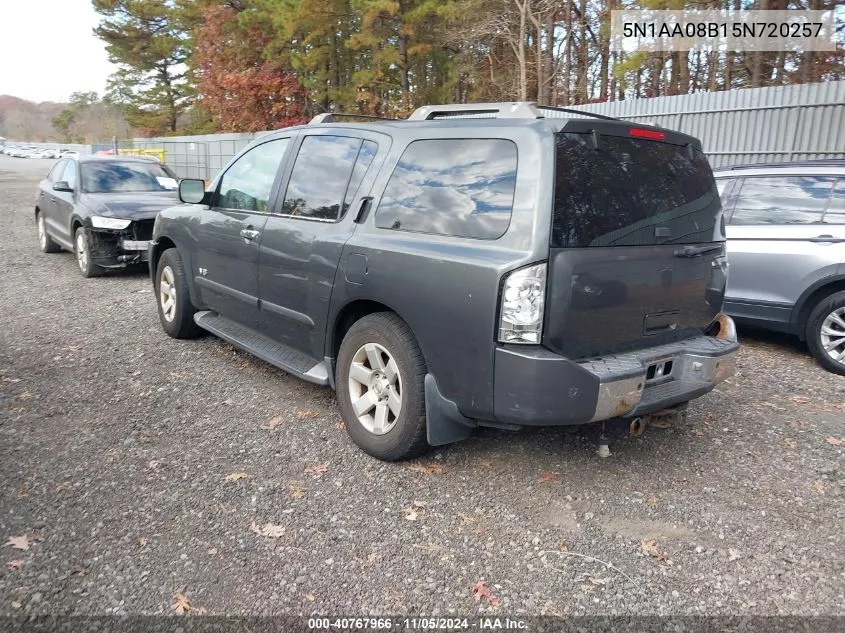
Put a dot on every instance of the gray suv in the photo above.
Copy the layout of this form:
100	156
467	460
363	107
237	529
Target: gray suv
494	265
786	246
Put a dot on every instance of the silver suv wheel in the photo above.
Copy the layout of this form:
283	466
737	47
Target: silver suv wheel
82	251
42	233
167	294
375	388
832	335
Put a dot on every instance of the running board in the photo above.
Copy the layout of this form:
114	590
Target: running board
276	354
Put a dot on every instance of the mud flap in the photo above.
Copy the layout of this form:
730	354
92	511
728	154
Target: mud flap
445	424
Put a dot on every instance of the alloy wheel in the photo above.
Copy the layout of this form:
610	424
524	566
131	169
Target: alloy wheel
167	294
42	232
375	388
832	335
82	251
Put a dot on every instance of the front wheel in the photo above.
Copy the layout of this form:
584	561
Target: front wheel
82	247
175	310
380	387
826	333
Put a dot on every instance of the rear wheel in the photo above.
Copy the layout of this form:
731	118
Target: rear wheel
45	241
175	310
826	333
84	258
380	387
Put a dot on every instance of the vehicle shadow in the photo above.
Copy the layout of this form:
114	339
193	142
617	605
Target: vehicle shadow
758	336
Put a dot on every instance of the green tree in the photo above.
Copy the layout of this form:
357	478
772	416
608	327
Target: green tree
149	41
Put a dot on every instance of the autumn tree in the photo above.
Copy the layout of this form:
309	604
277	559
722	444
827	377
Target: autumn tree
243	88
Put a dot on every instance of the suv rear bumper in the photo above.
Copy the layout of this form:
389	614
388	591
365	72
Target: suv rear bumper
534	386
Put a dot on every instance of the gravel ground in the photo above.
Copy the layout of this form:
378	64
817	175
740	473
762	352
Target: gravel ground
120	454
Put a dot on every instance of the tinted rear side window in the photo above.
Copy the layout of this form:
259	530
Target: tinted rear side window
632	192
460	187
320	177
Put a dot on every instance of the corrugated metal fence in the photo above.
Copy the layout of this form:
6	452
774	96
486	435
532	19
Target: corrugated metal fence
751	125
738	126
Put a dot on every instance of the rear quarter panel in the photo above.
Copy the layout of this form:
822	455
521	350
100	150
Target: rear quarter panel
447	288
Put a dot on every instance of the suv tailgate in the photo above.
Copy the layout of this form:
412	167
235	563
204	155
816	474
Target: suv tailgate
637	247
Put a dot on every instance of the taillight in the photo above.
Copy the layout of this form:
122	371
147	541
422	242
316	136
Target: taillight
654	135
523	302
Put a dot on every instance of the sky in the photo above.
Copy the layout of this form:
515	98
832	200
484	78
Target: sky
48	50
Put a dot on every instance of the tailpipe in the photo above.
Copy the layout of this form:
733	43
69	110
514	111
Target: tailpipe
637	426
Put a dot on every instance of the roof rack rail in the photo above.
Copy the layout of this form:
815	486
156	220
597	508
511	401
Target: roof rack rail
810	162
592	115
329	117
502	110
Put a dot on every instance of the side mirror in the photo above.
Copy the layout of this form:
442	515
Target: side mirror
191	191
62	186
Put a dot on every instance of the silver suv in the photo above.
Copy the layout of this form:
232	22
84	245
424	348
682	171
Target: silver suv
786	248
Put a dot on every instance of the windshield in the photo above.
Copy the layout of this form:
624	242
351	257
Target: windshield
113	177
632	192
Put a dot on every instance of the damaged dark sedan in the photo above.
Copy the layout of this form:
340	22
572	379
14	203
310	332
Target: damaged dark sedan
102	208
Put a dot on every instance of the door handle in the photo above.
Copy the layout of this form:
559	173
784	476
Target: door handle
249	234
824	238
363	210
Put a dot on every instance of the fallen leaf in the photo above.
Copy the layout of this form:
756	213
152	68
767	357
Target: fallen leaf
818	487
482	592
652	501
340	425
269	530
182	604
142	542
18	542
410	514
834	441
304	415
546	478
430	469
790	443
23	492
733	554
297	491
310	597
14	564
274	422
235	476
318	470
799	399
245	365
561	547
176	375
65	485
698	432
661	423
650	548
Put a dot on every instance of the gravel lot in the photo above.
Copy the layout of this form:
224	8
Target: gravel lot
120	451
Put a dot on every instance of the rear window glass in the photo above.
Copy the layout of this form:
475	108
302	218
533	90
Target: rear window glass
632	192
458	187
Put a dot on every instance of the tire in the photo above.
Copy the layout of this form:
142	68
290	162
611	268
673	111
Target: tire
177	316
826	327
82	250
44	240
377	430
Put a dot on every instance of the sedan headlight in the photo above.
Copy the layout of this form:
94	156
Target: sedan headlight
523	303
99	222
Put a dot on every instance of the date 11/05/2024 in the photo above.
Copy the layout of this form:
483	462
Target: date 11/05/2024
417	624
